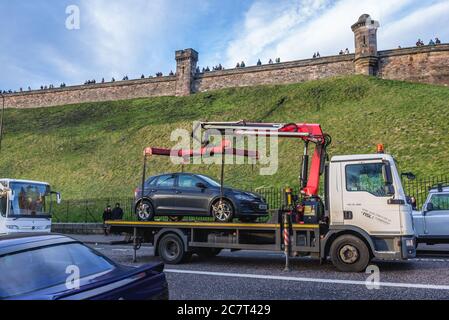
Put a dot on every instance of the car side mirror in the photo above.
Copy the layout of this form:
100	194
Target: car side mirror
201	185
429	207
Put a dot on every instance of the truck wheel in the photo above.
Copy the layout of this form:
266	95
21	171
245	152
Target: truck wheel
222	211
145	211
171	249
349	254
207	252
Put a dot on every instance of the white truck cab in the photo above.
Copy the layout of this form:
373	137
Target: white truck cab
25	206
432	223
365	198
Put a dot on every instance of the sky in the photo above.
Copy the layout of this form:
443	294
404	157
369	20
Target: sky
41	42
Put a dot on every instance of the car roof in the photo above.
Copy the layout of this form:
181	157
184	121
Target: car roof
25	241
436	190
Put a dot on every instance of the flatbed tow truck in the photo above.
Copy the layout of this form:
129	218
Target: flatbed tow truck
363	216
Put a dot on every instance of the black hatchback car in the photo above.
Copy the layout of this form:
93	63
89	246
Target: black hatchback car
185	194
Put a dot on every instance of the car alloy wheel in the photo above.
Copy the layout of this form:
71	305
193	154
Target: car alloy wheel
222	211
145	211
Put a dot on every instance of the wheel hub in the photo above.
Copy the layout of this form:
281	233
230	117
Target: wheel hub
144	211
222	210
349	254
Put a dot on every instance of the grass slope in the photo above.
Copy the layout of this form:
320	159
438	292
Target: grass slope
94	149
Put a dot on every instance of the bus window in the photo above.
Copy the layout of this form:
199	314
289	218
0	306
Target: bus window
29	199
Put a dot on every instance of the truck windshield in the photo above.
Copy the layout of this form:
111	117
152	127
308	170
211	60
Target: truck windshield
29	200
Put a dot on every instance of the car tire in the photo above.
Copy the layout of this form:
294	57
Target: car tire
222	210
171	249
207	252
350	254
147	214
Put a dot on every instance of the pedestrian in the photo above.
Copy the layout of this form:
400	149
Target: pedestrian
117	212
347	51
318	55
341	52
314	56
107	215
431	42
259	63
437	41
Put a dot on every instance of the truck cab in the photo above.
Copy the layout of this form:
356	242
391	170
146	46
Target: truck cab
365	198
432	222
25	206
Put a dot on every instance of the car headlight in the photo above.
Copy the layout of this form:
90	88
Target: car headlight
12	227
244	197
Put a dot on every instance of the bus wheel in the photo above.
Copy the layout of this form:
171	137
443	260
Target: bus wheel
171	249
349	254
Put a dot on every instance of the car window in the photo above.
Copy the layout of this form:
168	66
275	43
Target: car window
37	269
166	181
188	181
366	178
440	202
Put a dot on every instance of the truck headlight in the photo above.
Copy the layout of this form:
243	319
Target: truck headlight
12	227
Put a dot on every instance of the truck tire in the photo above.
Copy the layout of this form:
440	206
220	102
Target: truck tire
207	252
349	254
171	249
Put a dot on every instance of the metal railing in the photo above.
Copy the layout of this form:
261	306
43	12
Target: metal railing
419	188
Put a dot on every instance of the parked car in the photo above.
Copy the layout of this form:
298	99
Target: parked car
432	222
46	267
186	194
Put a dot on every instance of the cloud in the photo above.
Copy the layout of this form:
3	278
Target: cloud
299	28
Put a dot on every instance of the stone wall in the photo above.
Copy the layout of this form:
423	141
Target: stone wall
119	90
428	64
279	73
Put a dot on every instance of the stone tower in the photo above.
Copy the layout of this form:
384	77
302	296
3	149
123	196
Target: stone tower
366	58
186	61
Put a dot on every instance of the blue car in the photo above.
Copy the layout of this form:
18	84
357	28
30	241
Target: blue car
57	267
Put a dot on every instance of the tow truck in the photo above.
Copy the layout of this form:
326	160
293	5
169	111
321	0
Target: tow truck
362	216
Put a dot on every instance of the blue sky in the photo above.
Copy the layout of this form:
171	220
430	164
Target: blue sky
118	37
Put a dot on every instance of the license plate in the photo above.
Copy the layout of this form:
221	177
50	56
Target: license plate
263	206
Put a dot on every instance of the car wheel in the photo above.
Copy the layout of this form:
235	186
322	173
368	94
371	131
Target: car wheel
350	254
171	249
222	210
145	211
175	218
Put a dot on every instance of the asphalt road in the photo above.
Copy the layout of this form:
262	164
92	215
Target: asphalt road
250	275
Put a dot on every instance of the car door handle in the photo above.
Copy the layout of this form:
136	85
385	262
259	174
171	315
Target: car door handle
178	192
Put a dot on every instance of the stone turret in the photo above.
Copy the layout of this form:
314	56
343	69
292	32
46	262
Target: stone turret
186	61
366	58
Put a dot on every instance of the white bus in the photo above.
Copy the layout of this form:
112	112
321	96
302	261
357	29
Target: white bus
26	206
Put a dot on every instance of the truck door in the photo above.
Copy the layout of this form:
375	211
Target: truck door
437	220
365	199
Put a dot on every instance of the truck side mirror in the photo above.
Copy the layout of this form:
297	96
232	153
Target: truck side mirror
429	207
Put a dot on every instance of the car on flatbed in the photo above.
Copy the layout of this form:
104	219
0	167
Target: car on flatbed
432	222
57	267
185	194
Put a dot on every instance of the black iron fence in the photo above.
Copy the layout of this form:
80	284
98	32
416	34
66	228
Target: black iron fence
419	188
91	210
